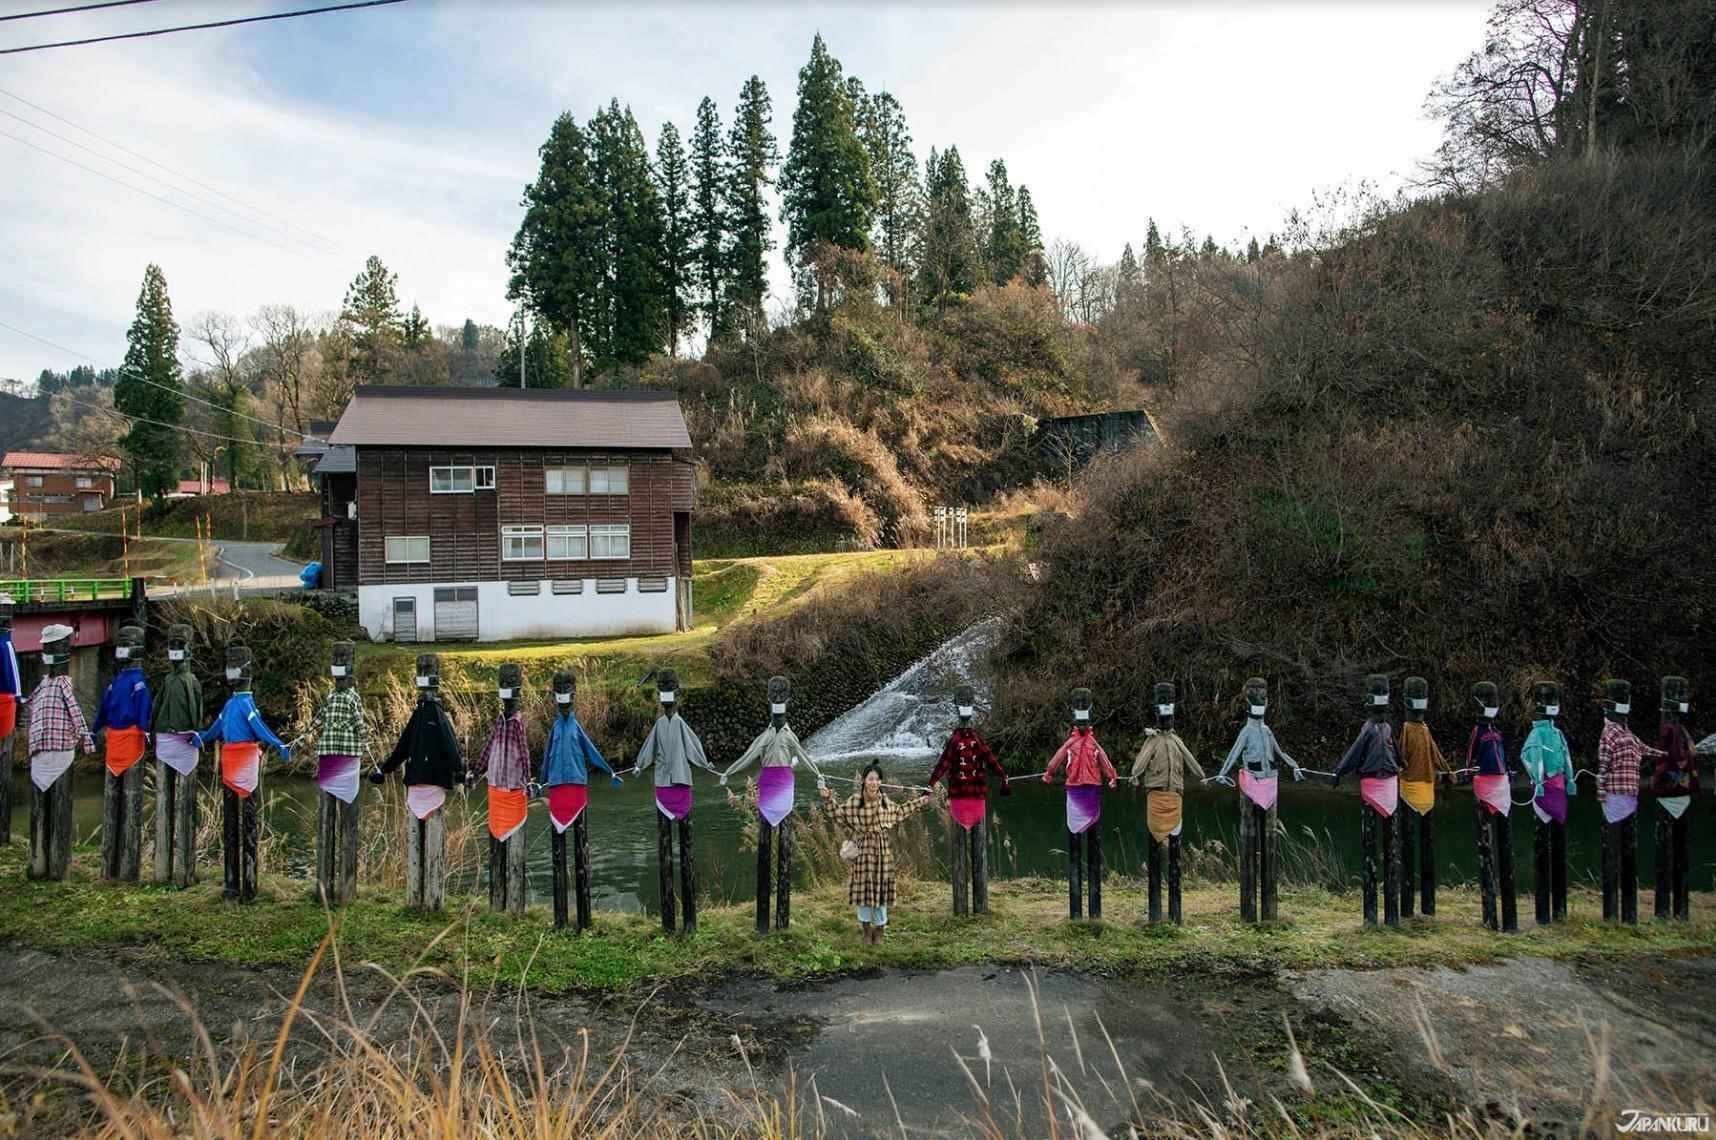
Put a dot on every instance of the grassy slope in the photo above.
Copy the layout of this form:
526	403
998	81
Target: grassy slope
1027	924
54	555
252	516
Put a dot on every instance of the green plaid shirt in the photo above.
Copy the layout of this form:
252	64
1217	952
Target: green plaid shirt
342	729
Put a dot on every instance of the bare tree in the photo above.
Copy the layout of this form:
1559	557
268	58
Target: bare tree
1068	266
285	359
224	374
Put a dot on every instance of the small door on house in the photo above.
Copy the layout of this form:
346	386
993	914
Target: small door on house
455	613
405	619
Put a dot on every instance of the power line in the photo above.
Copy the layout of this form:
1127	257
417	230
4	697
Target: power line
281	428
105	410
151	194
77	8
217	192
124	167
198	27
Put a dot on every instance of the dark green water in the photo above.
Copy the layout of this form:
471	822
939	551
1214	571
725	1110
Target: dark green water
1028	832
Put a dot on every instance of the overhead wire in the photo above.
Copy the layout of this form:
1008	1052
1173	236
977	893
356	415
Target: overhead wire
282	428
74	8
105	410
262	215
197	27
134	170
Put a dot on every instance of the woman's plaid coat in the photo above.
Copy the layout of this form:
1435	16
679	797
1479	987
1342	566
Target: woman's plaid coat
870	824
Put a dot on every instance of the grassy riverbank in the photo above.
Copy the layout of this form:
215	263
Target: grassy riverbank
627	951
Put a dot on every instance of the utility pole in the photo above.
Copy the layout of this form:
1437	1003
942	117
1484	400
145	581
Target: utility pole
523	347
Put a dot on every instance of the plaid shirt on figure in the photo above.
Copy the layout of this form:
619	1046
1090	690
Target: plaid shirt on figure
56	721
1620	757
506	757
965	764
870	825
340	724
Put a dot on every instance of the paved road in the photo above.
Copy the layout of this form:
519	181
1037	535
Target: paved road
250	567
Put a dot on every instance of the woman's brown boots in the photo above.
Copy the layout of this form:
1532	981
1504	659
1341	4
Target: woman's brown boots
864	933
870	934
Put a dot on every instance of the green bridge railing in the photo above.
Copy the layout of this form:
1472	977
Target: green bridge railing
48	590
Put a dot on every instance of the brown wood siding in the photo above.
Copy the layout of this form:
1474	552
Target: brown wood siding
339	533
465	530
59	483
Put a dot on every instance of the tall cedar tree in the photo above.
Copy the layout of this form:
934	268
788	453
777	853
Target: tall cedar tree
751	157
673	179
1128	276
149	388
709	222
827	194
556	257
1006	246
371	314
947	252
1031	238
894	170
630	300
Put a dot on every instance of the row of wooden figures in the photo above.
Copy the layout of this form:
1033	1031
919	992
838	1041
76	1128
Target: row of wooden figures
1391	767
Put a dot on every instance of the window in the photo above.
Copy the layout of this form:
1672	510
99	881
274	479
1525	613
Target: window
485	478
523	589
521	544
568	542
608	481
412	548
565	480
452	480
611	540
567	586
610	585
85	482
32	480
652	585
92	502
53	498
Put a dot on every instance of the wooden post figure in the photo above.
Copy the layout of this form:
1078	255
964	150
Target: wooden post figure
241	732
1164	763
57	728
966	764
1421	763
124	717
1546	759
1486	756
1372	756
342	737
433	766
566	766
1674	783
178	717
778	747
1087	767
1620	755
11	697
673	748
1257	754
506	760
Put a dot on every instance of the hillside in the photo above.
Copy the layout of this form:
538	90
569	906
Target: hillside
1472	438
23	423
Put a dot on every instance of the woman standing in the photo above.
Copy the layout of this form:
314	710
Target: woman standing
869	817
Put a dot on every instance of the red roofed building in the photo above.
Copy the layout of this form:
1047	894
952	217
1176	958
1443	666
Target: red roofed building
47	483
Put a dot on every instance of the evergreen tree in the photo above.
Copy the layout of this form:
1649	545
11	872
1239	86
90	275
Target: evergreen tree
708	215
468	337
1252	253
415	328
149	388
556	258
947	256
1031	239
631	320
827	194
548	363
1155	253
1209	251
751	157
1127	275
894	169
673	180
1006	244
371	312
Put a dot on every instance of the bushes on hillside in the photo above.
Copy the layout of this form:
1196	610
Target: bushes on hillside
740	520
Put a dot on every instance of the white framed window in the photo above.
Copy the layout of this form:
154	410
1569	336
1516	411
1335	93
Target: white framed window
611	540
85	482
32	480
407	548
566	480
521	544
568	542
485	478
452	480
609	480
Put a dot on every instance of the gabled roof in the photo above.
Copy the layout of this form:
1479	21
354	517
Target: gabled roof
59	461
512	417
337	461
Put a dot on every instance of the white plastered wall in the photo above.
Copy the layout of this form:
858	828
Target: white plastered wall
502	616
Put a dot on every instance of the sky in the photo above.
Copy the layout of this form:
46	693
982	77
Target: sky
286	152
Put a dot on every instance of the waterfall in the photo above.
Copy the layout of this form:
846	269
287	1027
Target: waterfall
911	715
